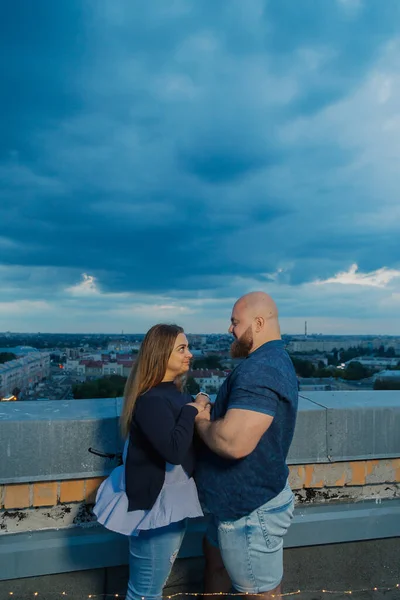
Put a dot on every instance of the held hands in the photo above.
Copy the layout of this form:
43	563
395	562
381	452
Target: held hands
202	399
202	403
204	415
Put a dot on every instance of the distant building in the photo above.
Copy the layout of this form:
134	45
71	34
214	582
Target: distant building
71	365
208	380
93	368
374	362
24	373
386	342
321	344
197	340
72	353
89	368
317	345
20	350
122	346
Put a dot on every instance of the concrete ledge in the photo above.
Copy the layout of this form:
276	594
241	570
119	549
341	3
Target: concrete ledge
60	432
353	566
75	549
332	426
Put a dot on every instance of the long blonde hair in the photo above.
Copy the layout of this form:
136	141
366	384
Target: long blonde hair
149	369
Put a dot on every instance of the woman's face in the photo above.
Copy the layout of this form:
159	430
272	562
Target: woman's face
179	361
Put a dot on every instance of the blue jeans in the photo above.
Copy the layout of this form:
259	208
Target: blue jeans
252	547
151	557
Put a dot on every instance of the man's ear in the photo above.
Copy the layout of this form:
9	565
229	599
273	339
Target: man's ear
259	322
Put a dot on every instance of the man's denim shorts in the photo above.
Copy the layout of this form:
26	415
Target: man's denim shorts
252	547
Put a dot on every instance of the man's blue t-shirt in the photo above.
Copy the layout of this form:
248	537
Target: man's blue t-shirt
264	382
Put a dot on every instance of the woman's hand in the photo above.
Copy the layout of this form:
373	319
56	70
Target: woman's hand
196	405
201	402
202	399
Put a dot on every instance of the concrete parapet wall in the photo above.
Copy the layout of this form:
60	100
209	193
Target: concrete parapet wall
49	441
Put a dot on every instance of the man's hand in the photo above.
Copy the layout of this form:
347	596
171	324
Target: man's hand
202	402
205	414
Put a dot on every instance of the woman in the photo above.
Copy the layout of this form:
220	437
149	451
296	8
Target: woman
151	496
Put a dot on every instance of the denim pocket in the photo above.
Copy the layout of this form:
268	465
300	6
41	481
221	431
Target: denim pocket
274	522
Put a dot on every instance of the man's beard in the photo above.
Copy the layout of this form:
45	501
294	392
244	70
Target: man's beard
241	347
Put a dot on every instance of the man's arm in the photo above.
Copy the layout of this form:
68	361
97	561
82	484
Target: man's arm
236	435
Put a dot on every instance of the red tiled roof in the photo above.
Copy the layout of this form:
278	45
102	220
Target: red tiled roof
93	364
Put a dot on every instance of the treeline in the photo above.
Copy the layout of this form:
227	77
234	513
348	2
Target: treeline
6	357
207	362
355	351
353	372
111	386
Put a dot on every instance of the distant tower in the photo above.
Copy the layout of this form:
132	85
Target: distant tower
305	329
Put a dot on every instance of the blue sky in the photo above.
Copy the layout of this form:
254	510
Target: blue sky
159	159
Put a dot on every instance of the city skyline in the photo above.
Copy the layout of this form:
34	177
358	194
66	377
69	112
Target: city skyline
158	161
346	332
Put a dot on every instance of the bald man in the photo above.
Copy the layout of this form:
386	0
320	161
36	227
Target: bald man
242	475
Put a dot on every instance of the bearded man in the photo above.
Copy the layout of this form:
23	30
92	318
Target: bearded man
242	475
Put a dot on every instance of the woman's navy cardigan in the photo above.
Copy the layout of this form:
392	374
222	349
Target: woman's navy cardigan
161	431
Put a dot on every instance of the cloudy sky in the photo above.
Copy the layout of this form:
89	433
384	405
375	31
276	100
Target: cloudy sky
159	159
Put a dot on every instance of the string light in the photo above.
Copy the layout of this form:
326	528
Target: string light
284	595
196	594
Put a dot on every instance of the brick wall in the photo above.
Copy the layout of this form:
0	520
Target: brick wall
48	493
340	474
356	474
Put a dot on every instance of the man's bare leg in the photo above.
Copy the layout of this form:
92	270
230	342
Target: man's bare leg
216	578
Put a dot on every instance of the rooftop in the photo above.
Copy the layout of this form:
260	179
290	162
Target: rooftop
344	470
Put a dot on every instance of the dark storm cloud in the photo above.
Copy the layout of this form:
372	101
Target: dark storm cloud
152	144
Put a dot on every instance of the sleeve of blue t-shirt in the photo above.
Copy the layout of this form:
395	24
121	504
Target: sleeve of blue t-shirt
253	389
